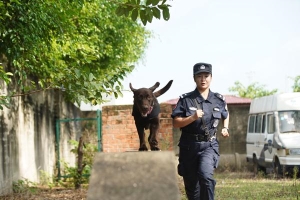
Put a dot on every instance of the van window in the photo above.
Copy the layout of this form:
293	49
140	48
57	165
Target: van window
289	121
271	123
263	123
251	124
258	123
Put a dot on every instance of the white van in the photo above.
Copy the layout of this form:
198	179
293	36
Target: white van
273	135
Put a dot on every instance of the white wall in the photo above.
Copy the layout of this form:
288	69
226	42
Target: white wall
27	132
126	99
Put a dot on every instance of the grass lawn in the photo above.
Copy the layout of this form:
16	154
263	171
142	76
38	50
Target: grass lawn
236	186
230	186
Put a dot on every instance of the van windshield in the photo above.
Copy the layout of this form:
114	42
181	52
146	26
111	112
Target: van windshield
289	121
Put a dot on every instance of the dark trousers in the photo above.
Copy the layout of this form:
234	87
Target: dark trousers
197	161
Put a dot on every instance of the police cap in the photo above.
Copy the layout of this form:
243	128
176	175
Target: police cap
202	67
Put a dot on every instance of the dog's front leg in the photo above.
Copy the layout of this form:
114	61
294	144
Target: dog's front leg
141	134
152	139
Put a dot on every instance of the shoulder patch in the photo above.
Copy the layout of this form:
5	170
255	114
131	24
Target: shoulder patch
186	95
220	96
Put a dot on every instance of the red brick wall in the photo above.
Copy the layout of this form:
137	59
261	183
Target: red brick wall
119	132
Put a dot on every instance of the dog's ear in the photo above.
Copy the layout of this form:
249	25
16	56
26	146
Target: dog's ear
132	89
154	86
164	89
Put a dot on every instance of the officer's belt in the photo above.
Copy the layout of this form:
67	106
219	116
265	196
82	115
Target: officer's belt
198	137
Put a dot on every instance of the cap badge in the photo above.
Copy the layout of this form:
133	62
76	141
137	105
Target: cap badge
202	67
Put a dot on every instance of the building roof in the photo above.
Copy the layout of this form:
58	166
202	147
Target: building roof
230	100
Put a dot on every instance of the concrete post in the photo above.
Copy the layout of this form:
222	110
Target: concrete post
134	176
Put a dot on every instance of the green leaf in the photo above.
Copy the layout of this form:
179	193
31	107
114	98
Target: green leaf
133	2
134	14
149	18
78	73
117	88
166	14
149	14
41	83
120	11
155	2
126	12
91	77
129	8
116	94
156	12
161	6
148	11
143	17
148	2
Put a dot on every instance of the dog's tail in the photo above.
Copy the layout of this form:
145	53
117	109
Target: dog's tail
164	89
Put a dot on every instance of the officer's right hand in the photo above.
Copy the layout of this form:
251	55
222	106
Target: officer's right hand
198	114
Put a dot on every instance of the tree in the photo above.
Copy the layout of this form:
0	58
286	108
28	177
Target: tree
296	86
254	90
81	46
145	10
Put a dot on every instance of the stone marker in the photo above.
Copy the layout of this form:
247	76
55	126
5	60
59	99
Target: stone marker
134	176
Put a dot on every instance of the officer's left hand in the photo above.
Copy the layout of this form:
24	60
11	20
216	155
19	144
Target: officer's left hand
225	132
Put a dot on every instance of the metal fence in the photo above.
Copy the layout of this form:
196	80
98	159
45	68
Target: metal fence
73	129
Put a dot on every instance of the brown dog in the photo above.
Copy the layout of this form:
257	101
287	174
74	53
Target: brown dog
146	111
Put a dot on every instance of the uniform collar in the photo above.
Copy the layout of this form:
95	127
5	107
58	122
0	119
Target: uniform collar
199	97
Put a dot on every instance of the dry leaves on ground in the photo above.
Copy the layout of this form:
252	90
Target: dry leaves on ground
49	194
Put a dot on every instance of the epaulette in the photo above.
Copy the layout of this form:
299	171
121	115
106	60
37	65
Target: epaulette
220	96
186	94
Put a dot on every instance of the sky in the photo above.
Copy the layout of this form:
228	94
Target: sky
244	40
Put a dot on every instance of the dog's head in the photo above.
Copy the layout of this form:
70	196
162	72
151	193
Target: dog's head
145	98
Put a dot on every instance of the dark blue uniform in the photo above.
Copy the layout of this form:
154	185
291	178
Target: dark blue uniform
199	149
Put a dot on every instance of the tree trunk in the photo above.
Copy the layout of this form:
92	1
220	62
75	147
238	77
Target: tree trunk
80	165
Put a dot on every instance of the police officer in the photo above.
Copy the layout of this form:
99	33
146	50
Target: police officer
197	114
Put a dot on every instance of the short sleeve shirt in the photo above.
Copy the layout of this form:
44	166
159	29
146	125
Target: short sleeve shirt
214	108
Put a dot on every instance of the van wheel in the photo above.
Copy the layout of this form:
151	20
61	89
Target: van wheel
279	170
255	166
